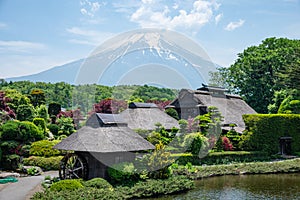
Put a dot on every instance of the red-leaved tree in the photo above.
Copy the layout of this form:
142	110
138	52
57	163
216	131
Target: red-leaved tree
8	112
160	104
110	106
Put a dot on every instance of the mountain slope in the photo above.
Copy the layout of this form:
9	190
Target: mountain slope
64	73
153	57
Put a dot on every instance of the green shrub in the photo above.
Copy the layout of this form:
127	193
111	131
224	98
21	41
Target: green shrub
54	109
11	161
44	148
225	157
40	123
172	112
149	188
264	131
21	131
195	143
99	183
80	193
122	172
66	185
51	163
54	129
286	166
66	125
159	162
153	187
25	112
32	171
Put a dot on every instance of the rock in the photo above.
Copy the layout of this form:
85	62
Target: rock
39	170
9	174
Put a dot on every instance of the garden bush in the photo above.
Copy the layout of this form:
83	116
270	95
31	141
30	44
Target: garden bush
225	157
195	143
80	193
21	131
285	166
54	129
25	112
40	123
149	188
44	148
264	131
152	187
51	163
122	173
98	183
66	185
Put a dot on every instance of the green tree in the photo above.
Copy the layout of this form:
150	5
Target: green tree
25	112
37	97
42	112
54	108
159	162
195	143
16	98
218	78
66	125
172	112
254	75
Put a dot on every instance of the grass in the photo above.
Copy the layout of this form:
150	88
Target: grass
197	172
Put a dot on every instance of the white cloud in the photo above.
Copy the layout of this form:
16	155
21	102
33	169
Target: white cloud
233	25
89	8
127	6
88	37
20	46
152	13
218	18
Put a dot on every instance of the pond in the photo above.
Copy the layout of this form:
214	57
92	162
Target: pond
272	186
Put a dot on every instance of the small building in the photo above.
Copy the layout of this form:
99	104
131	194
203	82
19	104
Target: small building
191	103
145	115
104	141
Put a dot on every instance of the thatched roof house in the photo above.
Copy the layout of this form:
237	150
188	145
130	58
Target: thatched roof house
191	103
97	120
146	115
106	140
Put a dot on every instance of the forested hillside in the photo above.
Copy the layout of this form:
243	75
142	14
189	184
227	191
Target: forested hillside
82	96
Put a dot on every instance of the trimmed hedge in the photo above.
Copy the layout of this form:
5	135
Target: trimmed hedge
264	131
149	188
51	163
21	131
198	172
225	157
98	183
66	185
44	148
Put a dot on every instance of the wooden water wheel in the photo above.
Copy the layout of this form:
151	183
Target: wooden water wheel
73	166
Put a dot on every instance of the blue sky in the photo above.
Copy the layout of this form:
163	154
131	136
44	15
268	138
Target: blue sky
36	35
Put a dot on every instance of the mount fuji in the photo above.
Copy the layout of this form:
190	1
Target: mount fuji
156	57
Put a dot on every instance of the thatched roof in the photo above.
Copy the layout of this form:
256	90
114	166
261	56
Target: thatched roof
146	115
232	107
142	105
104	140
97	120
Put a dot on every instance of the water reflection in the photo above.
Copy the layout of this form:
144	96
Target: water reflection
273	186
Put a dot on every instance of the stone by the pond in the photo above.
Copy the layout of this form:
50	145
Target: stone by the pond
9	174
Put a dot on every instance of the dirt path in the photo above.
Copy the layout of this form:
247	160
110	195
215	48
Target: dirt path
24	188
